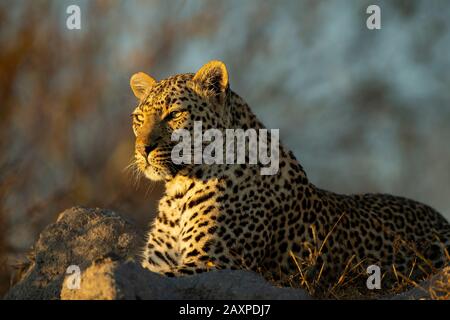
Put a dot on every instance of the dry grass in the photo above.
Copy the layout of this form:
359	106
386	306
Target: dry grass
440	288
311	271
351	283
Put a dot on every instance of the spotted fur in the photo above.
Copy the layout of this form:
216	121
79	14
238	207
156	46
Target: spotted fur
231	217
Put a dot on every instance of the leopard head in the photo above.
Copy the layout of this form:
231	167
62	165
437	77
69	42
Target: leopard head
176	103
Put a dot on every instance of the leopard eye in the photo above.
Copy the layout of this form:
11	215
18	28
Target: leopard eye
176	114
137	121
138	117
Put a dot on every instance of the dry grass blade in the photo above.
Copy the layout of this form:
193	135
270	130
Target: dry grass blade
329	233
304	280
409	280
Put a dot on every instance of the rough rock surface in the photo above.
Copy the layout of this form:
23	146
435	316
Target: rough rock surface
102	244
79	237
114	280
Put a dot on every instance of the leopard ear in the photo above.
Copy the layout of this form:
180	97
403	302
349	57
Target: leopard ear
140	84
213	79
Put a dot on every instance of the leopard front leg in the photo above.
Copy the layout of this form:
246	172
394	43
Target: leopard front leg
188	269
161	249
202	240
205	245
157	257
166	254
201	259
163	255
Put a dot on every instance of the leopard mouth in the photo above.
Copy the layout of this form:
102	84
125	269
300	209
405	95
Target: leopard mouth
161	168
158	165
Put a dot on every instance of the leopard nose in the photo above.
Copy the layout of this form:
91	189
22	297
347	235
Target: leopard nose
149	148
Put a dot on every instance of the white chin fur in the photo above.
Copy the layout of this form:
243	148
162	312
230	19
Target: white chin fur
153	175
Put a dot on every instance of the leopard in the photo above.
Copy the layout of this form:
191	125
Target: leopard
230	216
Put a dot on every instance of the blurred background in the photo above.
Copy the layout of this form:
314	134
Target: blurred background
364	111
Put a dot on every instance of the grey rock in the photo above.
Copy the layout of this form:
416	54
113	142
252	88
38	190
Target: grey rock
79	237
115	280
